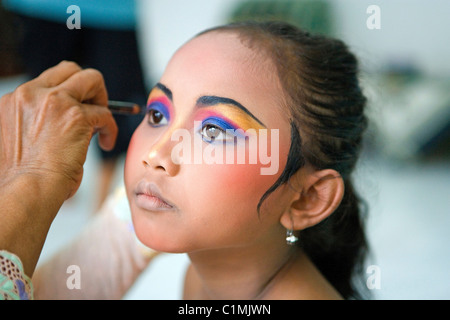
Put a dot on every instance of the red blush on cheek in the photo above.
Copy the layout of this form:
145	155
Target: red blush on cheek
133	159
249	178
242	178
131	145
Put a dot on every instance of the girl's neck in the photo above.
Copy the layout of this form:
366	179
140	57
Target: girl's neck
240	273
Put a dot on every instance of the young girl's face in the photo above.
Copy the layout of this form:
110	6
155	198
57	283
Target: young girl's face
186	192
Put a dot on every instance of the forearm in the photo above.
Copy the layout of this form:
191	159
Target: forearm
26	216
102	263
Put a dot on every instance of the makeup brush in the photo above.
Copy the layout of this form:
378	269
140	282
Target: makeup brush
123	107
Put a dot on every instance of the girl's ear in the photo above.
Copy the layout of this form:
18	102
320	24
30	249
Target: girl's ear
321	193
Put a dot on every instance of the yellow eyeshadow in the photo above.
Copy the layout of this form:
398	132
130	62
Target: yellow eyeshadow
231	114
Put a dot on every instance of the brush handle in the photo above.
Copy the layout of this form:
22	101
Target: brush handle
123	107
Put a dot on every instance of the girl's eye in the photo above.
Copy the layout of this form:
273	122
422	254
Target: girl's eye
213	133
156	118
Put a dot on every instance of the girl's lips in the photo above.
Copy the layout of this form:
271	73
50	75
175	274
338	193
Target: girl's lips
149	198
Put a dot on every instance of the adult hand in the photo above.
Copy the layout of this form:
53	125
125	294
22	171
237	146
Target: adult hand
47	124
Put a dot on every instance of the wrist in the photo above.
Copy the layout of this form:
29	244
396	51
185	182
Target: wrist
36	194
28	209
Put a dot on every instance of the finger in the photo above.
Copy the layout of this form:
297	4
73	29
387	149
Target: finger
101	119
87	86
58	74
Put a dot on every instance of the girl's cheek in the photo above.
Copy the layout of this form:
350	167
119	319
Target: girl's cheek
231	184
132	158
243	176
261	175
241	179
131	146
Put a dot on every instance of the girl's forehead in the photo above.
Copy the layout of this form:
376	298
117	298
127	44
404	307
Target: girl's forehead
214	51
218	63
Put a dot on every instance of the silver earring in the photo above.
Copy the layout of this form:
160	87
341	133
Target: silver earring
291	239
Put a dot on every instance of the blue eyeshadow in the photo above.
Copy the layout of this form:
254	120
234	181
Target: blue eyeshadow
160	107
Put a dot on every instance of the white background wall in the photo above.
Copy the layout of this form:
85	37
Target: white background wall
413	31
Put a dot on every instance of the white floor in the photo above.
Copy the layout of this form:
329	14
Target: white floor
407	227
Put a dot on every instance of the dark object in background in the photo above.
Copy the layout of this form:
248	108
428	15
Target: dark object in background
10	33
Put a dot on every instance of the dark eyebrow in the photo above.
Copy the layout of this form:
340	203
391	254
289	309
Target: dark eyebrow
206	101
164	89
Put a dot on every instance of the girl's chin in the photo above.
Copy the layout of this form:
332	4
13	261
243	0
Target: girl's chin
159	245
158	240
